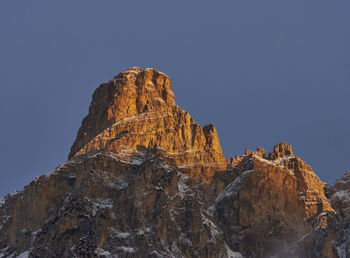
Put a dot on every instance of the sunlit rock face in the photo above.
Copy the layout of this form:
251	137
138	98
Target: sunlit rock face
272	205
136	111
130	93
144	179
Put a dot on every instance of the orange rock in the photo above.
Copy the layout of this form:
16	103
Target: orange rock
137	110
281	150
270	202
234	160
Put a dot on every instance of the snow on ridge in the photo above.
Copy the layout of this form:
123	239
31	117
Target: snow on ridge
102	252
13	193
8	196
233	188
232	254
278	162
62	166
100	203
126	156
200	164
24	254
120	234
126	249
213	228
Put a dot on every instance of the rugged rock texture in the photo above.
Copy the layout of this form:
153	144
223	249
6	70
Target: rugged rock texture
144	180
341	196
130	93
271	205
136	111
340	199
107	207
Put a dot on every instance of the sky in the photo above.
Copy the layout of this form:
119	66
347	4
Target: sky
262	71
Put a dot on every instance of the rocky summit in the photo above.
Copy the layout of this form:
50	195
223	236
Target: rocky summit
143	179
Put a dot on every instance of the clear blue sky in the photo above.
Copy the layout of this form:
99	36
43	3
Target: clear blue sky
261	71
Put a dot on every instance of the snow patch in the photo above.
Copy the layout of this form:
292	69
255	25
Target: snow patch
136	161
4	251
191	165
140	232
164	166
101	204
12	194
126	249
111	181
24	254
100	251
126	155
118	184
233	188
120	234
232	254
72	176
342	195
213	228
277	162
36	232
8	196
184	189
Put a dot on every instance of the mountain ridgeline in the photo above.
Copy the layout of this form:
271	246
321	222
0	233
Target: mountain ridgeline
143	179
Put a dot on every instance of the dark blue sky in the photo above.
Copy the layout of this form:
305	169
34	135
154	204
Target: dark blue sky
261	71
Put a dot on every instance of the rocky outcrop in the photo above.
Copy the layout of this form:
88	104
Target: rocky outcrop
105	207
144	179
340	199
136	111
281	150
272	204
341	196
130	93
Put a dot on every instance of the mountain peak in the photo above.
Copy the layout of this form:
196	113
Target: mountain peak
130	93
137	110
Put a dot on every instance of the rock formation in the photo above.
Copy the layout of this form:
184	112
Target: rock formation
143	179
136	111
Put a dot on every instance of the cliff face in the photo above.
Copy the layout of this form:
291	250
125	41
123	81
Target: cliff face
136	111
273	205
143	179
